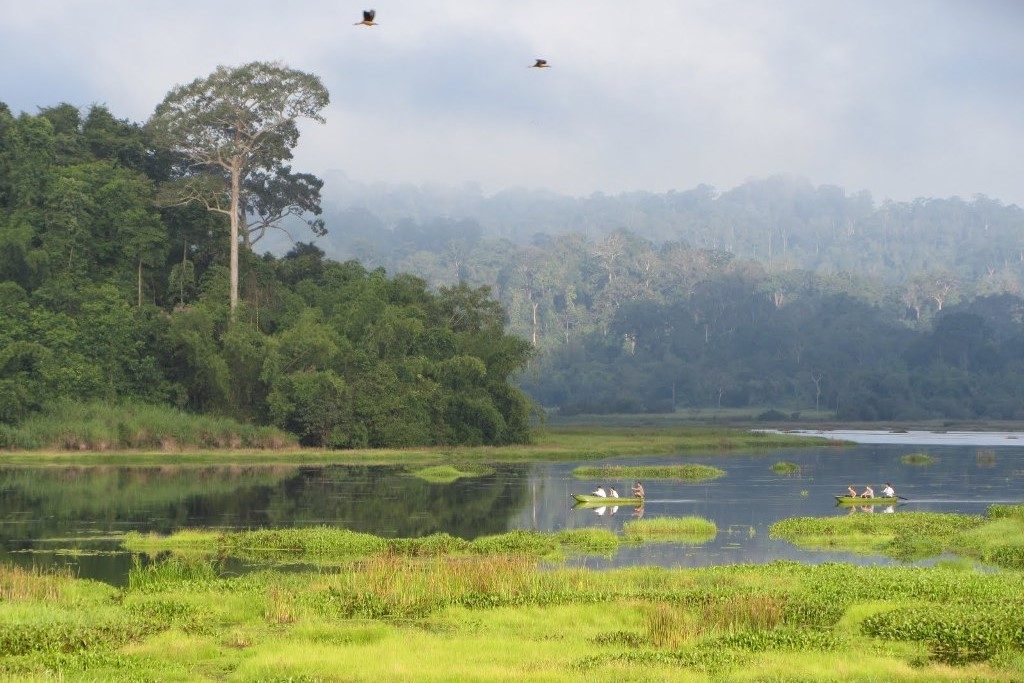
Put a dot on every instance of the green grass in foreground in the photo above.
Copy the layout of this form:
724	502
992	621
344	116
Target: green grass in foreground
574	443
501	618
997	538
681	472
785	467
920	459
331	545
100	427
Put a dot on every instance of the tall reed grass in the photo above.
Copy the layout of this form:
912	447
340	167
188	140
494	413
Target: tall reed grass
99	426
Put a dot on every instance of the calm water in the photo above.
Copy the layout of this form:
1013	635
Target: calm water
72	515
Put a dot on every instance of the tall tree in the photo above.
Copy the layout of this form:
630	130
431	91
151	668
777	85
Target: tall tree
236	128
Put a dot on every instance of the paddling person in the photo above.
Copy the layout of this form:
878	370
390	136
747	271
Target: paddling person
638	490
852	491
888	491
868	492
600	492
612	493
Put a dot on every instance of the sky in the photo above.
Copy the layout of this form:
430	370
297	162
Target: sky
904	99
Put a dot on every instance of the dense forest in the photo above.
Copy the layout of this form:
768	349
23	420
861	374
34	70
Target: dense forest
119	281
904	310
109	291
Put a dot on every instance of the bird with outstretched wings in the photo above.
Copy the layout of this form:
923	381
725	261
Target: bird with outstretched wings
368	18
541	64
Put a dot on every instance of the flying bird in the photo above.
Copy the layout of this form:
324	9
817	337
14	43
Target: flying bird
541	64
368	15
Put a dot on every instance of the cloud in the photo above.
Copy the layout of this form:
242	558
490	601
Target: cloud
904	99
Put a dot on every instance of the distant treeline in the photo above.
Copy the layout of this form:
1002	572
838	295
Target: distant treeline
784	223
624	324
825	351
106	293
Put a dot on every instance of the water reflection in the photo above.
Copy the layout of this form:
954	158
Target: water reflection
47	513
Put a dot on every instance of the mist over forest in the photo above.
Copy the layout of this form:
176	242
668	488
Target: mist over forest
777	293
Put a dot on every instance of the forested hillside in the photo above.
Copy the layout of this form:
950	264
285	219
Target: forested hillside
782	222
897	311
108	291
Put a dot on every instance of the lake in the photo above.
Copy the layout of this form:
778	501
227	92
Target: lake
73	515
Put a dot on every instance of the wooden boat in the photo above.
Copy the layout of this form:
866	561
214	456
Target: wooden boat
877	500
584	499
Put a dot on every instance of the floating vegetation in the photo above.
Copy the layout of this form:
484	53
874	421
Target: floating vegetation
997	538
680	472
918	459
331	545
671	529
785	467
446	474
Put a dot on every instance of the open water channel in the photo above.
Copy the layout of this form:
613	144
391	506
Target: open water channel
73	515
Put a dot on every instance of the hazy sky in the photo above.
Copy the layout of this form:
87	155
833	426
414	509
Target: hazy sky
901	98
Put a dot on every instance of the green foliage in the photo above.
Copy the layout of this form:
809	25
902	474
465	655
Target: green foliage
104	297
785	467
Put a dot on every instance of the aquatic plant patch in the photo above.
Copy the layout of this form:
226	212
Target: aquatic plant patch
680	472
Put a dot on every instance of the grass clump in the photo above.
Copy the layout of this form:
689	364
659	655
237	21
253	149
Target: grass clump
785	467
998	538
330	545
670	529
918	459
446	474
97	426
680	472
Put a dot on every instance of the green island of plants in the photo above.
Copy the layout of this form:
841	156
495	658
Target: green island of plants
446	474
996	538
332	545
681	472
670	530
400	617
785	467
919	459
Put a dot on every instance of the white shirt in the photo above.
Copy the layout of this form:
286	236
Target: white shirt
600	492
614	493
888	492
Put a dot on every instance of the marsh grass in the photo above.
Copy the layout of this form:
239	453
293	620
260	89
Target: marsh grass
321	544
97	426
785	467
670	529
446	474
566	443
997	538
918	459
680	472
472	617
19	584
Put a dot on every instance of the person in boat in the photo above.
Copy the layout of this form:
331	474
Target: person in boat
638	490
852	491
600	492
889	491
868	492
612	493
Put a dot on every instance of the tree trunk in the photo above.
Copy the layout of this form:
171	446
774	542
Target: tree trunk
236	173
534	304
